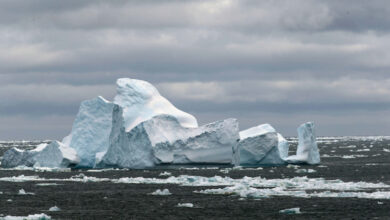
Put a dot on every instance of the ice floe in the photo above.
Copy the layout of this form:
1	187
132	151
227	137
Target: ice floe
159	192
185	205
291	211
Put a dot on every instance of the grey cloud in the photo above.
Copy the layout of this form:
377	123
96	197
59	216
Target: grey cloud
284	62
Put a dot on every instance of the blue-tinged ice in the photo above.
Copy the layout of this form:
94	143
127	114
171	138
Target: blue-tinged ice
50	155
307	151
91	130
163	139
260	145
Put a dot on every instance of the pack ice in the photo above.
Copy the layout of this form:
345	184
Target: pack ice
93	124
163	139
260	145
307	151
54	154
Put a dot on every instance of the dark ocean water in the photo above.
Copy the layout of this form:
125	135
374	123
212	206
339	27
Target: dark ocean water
352	182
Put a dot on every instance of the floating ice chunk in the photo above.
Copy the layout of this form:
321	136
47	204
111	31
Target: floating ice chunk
260	145
307	151
54	209
164	192
163	140
50	155
141	101
185	205
165	174
291	211
305	171
23	192
91	130
41	216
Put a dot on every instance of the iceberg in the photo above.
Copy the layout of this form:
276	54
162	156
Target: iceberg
260	145
51	155
163	139
140	101
307	151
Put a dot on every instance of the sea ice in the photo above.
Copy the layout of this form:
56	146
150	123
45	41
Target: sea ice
260	145
52	155
307	151
162	139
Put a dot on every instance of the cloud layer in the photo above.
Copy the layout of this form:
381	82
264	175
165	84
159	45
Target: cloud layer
283	62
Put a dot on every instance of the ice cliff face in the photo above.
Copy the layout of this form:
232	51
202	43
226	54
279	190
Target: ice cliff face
54	154
141	101
163	139
91	130
260	145
307	151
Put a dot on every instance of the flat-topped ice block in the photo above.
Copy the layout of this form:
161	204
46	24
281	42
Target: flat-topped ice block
162	139
260	145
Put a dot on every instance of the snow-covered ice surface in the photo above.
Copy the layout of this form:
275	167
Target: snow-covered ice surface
141	101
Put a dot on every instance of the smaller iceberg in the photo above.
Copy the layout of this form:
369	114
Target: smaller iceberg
50	155
307	151
260	145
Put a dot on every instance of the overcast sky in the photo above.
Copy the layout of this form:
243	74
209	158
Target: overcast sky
283	62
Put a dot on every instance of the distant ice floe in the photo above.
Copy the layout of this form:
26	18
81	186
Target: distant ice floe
185	205
41	216
159	192
23	192
291	211
54	209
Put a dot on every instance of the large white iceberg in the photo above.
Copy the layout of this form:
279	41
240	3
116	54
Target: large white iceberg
260	145
93	124
307	151
163	139
54	154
